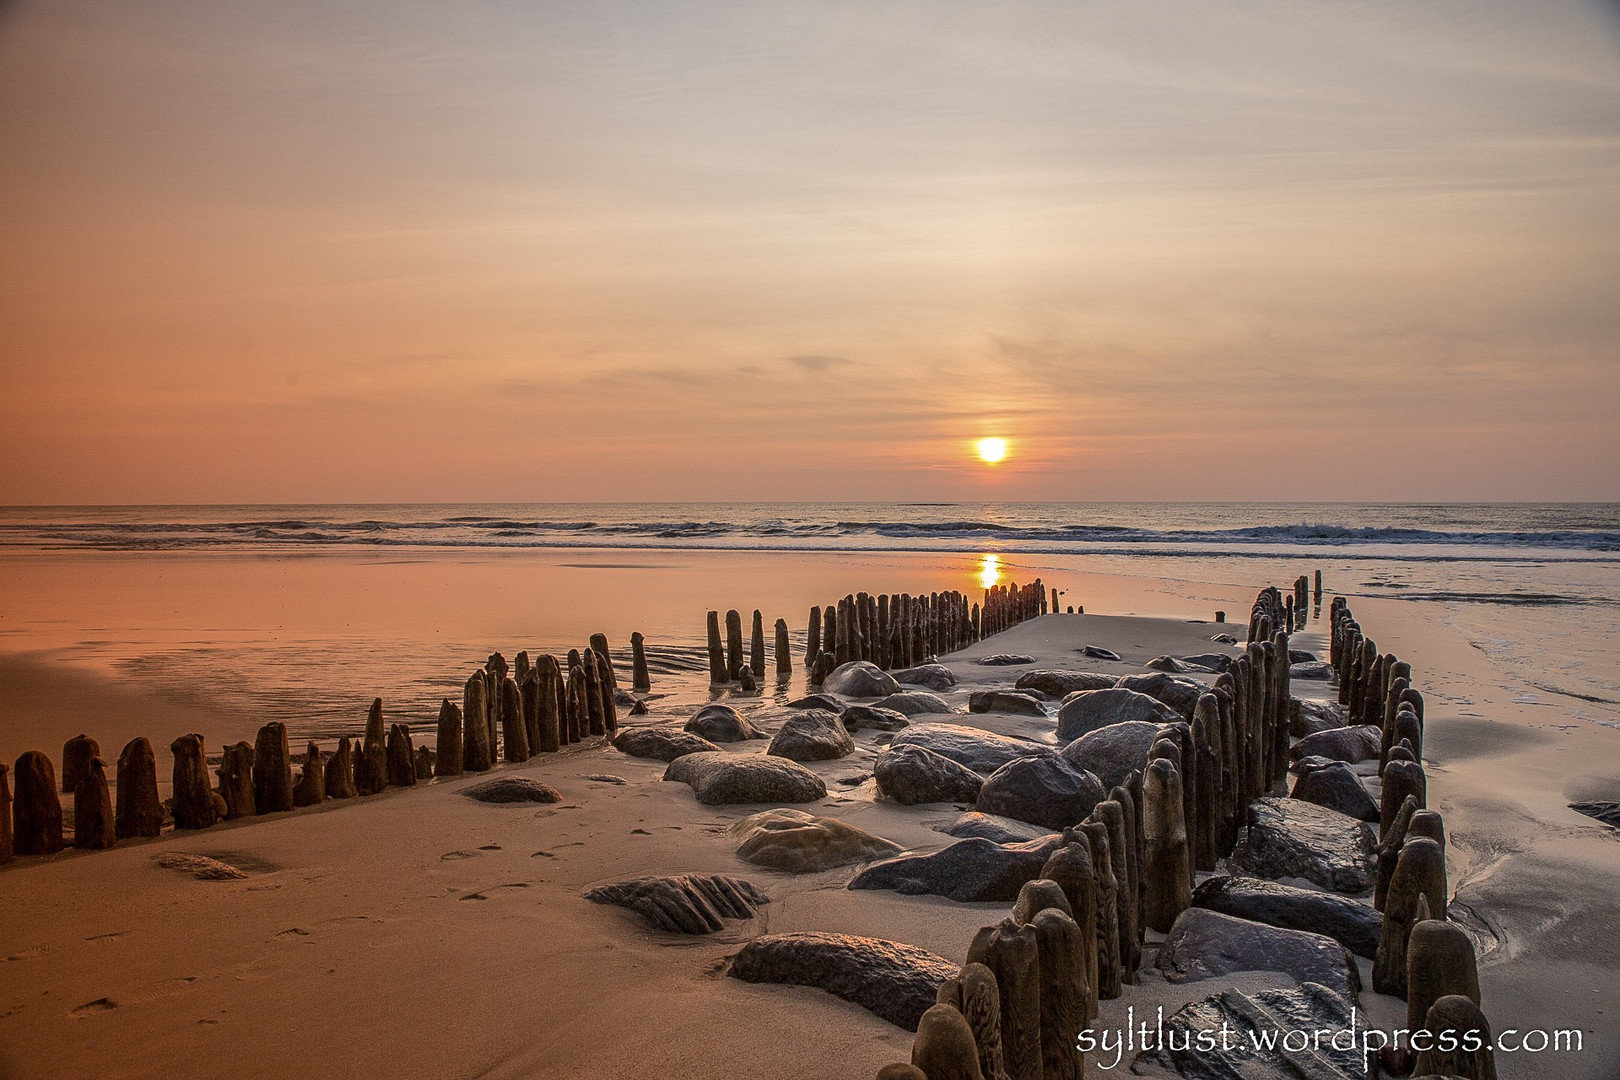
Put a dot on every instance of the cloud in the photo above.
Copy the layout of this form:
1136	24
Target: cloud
815	363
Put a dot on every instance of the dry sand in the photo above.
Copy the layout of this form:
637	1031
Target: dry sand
422	934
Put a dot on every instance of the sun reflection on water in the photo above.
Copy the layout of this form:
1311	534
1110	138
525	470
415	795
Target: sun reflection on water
989	571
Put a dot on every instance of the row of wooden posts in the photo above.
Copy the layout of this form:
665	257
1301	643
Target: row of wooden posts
512	712
1288	612
890	630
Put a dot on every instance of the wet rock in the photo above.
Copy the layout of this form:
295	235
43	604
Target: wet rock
1351	924
139	811
685	903
898	982
660	744
968	871
1059	683
800	843
513	789
1309	717
911	775
1337	787
859	680
1204	944
1294	838
914	703
1254	1052
1211	662
720	779
1112	753
1005	701
311	788
857	717
1180	694
936	677
812	735
720	723
998	830
1351	744
945	1048
1091	710
1003	660
193	803
981	751
817	701
1048	790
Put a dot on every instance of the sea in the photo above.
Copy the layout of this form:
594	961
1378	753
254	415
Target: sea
305	613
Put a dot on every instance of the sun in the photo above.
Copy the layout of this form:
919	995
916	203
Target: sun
991	450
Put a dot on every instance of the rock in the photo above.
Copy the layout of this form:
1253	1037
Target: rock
1311	670
1223	639
1004	701
968	871
981	751
513	789
997	830
720	779
1179	694
860	680
817	701
974	994
1337	787
812	735
720	723
685	903
1309	717
1212	662
311	788
1058	683
93	809
1013	955
1353	925
77	753
660	744
911	775
1204	944
1002	659
1166	866
898	982
1301	656
1469	1052
1048	790
945	1048
914	703
1097	652
193	803
139	811
1439	961
1255	1050
1167	663
935	677
1606	812
200	867
1351	744
1089	710
1112	753
800	843
1294	838
857	717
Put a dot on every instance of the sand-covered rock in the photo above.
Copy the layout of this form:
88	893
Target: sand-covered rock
1255	1050
660	744
1351	744
1005	701
1337	787
915	703
721	779
1048	790
1089	710
859	680
935	677
1351	924
812	735
995	828
513	789
683	903
1002	659
1054	683
857	717
968	871
1181	694
911	775
1294	838
720	723
896	981
981	751
1205	944
800	843
1112	753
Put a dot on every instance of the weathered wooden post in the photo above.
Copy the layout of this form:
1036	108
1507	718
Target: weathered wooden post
311	787
476	752
718	672
784	653
640	681
236	780
400	757
812	645
139	812
735	658
272	770
447	762
77	753
340	772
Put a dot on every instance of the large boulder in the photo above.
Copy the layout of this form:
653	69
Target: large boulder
1354	925
996	829
1181	694
660	744
1337	787
1205	944
1088	710
1306	717
1005	701
857	717
683	904
859	679
1352	744
915	703
1255	1049
720	723
896	981
981	751
933	676
812	735
1112	753
912	775
722	779
1311	670
968	871
1049	791
1058	683
1294	838
799	843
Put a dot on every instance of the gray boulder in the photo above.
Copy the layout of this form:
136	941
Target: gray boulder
1308	717
1210	661
660	744
1005	701
721	723
1312	670
1002	659
911	775
722	779
1337	787
898	982
1294	838
1205	944
817	701
1058	683
513	789
1180	694
968	871
812	735
932	676
1354	925
1089	710
1360	743
859	679
996	829
1255	1050
683	904
981	751
914	703
799	843
1112	753
1049	791
857	717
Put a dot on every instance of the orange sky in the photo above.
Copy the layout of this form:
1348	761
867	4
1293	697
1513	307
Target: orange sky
415	251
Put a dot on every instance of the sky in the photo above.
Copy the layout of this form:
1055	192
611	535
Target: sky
416	251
